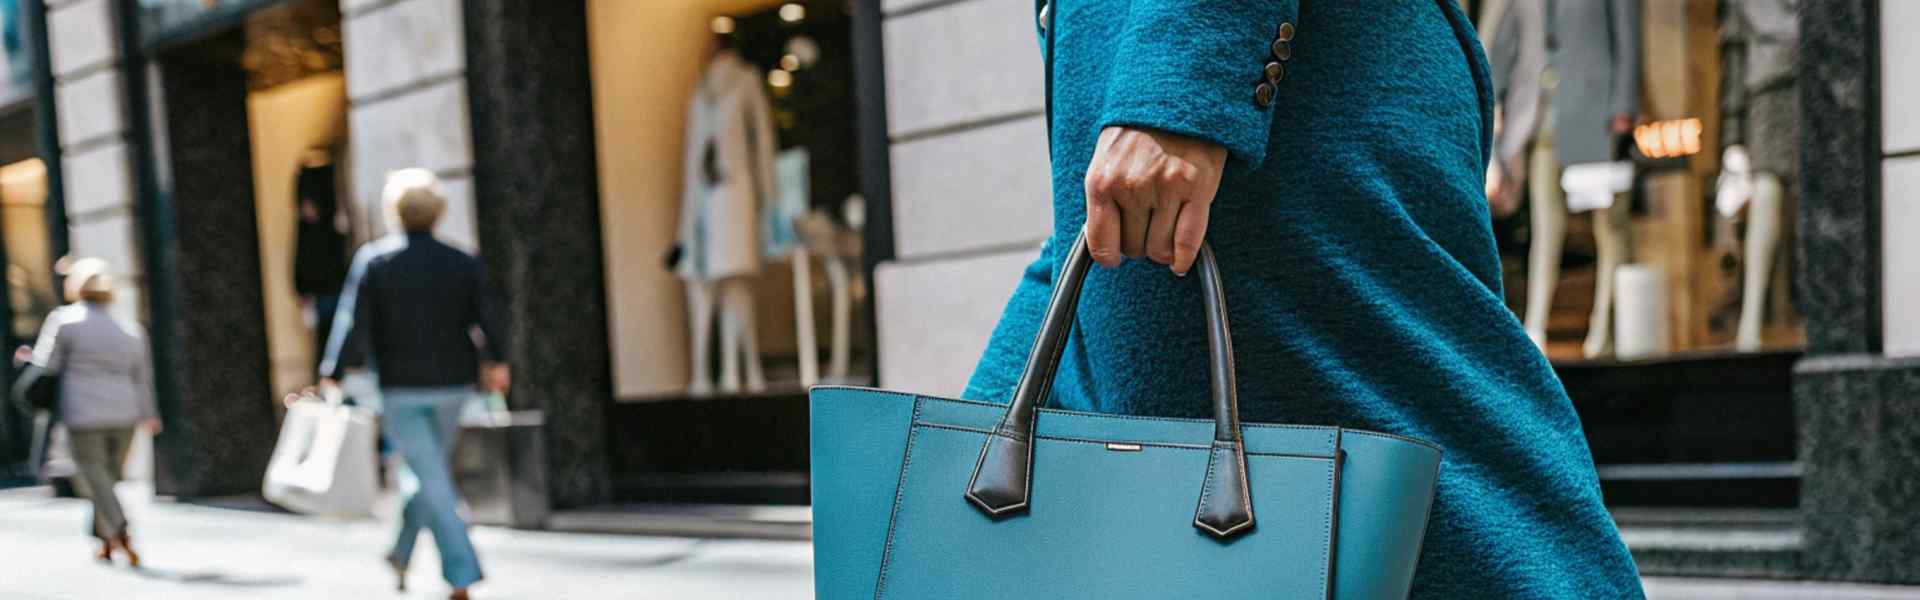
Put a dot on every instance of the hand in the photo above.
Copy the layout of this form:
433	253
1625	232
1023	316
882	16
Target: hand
22	355
496	377
152	426
1622	123
1148	194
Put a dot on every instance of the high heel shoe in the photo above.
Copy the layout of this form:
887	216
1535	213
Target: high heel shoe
126	547
458	594
399	574
105	554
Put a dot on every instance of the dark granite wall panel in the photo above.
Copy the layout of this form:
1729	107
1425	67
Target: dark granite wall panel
219	439
536	191
1838	249
1860	446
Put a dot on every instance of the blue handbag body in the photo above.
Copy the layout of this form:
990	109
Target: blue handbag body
924	498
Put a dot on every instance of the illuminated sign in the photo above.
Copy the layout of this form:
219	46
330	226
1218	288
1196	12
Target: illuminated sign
1668	139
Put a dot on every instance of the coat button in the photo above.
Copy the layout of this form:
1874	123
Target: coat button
1046	10
1263	95
1282	50
1286	32
1275	72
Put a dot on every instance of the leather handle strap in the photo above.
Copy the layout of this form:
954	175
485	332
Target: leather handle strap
1003	476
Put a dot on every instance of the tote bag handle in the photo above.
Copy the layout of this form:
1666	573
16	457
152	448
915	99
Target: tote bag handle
1002	482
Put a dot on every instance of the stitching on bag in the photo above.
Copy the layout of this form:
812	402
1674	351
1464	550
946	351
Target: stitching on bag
1206	489
893	517
1168	446
1429	445
1328	429
1326	546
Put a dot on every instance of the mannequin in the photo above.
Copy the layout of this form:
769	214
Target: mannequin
1593	88
1740	186
728	178
1759	113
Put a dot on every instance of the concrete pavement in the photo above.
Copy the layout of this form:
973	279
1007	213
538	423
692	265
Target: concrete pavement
210	552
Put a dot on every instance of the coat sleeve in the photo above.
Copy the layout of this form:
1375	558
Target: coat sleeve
347	343
1625	17
48	351
1191	67
693	171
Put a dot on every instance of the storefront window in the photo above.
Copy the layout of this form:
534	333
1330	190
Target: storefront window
1643	184
23	224
729	177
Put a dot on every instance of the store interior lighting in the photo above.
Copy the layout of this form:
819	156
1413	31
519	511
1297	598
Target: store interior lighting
792	12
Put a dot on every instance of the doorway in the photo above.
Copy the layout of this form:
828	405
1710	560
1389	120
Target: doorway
252	123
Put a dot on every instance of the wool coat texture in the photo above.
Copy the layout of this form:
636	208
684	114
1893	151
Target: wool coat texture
1361	278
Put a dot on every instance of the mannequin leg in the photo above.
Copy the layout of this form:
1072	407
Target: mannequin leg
1763	237
740	343
1549	218
1612	241
842	315
806	342
699	328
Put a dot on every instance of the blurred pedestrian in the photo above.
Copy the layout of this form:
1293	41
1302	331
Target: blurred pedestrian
413	302
105	392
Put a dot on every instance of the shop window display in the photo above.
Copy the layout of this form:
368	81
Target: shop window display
1671	125
760	195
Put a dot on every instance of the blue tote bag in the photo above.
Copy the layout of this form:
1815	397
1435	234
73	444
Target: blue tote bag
923	498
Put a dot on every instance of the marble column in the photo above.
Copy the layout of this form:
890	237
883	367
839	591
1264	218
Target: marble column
538	217
1858	411
223	429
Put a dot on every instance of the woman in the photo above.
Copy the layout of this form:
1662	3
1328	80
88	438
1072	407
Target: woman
105	392
1332	153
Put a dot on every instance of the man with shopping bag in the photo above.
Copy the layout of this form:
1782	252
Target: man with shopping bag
412	303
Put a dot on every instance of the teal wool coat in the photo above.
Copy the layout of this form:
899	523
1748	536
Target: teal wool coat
1361	276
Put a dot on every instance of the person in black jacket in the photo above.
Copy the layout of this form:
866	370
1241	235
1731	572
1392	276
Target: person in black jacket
320	247
413	304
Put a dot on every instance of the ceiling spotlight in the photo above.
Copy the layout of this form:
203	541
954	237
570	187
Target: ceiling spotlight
804	49
792	12
790	63
779	78
722	25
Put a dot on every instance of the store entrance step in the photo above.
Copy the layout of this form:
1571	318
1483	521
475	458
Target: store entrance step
689	520
1692	542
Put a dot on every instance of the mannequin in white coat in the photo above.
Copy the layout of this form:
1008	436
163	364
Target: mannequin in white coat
728	177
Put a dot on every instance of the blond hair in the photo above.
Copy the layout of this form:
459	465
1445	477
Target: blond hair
414	199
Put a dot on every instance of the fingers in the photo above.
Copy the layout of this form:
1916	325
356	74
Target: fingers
1136	212
1103	230
1188	232
1103	213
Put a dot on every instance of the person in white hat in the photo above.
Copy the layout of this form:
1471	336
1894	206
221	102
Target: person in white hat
106	391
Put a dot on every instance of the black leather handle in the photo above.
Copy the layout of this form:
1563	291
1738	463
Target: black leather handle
1002	478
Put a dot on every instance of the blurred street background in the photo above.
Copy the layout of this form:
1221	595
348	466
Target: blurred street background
1731	297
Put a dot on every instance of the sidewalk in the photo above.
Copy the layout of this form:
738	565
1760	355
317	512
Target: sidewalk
196	552
203	552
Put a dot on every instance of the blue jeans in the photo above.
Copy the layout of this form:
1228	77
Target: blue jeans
422	424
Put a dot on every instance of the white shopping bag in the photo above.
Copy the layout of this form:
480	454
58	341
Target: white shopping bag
323	463
1591	186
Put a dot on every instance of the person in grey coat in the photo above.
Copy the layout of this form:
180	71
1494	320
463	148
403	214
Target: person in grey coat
105	392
